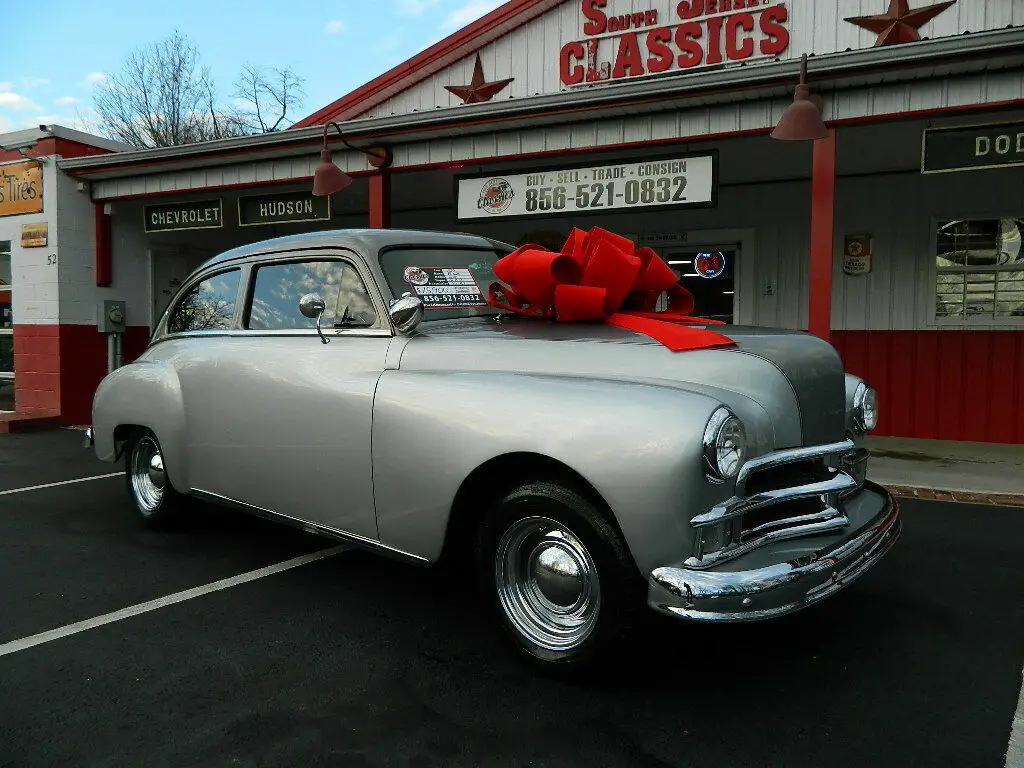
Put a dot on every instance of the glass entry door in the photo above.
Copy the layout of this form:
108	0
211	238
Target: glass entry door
6	329
709	273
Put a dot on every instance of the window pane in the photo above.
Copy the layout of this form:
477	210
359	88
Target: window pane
208	306
279	287
6	308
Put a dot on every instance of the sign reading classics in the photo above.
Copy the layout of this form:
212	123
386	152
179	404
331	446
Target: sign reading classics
969	148
677	181
195	214
282	208
700	33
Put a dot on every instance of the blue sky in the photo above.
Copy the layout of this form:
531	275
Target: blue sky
57	50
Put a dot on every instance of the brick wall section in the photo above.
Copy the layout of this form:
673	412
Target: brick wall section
37	362
59	367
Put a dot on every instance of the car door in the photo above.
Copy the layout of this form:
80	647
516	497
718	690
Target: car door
276	418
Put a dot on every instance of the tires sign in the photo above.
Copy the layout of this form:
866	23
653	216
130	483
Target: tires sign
669	182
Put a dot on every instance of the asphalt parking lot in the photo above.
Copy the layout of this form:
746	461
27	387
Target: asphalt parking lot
355	660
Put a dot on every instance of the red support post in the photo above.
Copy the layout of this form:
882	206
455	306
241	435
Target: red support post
823	196
380	200
104	263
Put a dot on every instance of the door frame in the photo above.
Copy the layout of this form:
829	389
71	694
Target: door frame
743	239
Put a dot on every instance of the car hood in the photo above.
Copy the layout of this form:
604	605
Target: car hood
796	378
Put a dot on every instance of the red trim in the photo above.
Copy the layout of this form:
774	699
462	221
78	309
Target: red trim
380	200
499	22
823	198
462	44
104	261
221	187
555	112
945	385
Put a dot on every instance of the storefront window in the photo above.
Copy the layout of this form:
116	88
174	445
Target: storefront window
980	269
6	329
709	274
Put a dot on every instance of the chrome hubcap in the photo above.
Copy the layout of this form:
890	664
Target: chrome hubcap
147	475
547	583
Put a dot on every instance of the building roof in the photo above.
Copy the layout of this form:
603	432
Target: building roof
929	59
486	29
29	136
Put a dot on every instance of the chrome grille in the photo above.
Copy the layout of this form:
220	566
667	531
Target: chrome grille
780	495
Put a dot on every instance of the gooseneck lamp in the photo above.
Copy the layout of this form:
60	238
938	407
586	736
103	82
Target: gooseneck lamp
329	178
802	119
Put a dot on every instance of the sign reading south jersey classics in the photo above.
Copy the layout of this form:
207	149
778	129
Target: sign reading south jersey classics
667	182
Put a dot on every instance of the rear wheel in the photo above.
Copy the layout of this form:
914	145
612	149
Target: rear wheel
561	579
155	499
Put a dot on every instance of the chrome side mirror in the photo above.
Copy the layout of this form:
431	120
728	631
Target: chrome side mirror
312	306
406	312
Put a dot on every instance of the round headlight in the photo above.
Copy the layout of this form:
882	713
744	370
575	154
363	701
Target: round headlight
865	408
725	445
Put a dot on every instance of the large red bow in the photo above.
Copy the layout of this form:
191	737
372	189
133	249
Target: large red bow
599	275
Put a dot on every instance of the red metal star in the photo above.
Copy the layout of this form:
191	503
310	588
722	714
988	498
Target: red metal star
478	89
899	24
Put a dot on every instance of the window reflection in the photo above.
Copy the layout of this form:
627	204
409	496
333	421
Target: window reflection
208	306
278	288
980	268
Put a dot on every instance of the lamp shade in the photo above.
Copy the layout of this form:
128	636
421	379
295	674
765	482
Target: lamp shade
802	119
327	177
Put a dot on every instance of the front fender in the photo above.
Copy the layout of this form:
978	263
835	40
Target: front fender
638	445
145	394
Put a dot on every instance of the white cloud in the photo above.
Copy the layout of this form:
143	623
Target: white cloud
470	12
16	101
33	82
65	101
413	7
93	78
334	27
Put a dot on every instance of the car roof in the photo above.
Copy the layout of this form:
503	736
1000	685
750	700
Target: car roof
367	241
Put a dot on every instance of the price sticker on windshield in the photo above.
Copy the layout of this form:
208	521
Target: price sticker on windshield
444	287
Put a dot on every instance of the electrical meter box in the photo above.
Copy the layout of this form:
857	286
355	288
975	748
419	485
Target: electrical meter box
111	316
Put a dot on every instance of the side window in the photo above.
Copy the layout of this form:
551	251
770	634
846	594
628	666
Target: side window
278	288
207	306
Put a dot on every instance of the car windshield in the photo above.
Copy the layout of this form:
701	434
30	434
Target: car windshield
451	282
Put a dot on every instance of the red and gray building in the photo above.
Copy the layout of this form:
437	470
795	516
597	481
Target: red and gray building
896	236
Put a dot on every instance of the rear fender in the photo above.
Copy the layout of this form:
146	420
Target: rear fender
144	394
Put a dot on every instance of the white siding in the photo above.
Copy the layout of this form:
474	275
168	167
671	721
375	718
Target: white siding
34	300
530	54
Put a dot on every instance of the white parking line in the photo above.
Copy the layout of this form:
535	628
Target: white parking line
162	602
1015	750
62	482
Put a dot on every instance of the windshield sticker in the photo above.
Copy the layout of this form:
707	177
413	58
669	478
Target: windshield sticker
445	287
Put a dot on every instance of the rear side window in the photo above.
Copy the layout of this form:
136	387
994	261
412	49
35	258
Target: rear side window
207	306
279	287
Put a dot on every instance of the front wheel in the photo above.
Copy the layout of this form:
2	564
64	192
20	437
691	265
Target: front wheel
560	576
155	499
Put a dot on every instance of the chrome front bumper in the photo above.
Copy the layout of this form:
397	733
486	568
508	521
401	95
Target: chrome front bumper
768	591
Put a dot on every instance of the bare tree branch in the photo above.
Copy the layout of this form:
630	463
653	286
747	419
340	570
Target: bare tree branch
163	96
266	97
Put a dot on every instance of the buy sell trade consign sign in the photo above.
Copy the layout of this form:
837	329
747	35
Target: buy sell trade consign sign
682	180
700	33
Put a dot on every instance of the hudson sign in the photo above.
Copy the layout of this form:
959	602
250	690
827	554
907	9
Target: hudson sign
699	33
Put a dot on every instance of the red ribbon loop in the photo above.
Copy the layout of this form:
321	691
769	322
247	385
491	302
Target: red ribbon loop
601	276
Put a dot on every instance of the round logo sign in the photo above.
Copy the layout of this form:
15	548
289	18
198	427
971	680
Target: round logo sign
416	276
495	196
709	265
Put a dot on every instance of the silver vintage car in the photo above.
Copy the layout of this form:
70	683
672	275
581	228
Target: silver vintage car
357	384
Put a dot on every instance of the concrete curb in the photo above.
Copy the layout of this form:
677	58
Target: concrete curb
964	497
